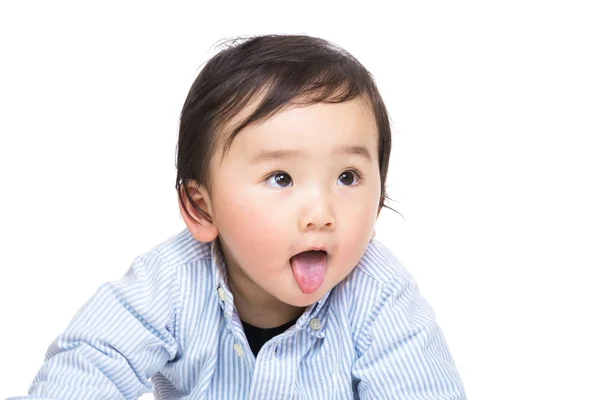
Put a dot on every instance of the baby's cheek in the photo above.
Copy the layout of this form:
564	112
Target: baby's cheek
354	247
254	226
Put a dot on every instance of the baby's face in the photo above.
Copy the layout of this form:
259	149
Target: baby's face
307	177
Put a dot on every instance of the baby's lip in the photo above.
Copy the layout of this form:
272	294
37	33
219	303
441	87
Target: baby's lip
317	248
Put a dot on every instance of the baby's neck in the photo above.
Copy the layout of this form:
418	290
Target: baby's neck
261	309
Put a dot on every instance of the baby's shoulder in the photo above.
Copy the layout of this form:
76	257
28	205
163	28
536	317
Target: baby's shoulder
181	248
359	297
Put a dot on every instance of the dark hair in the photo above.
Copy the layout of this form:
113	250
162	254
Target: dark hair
282	69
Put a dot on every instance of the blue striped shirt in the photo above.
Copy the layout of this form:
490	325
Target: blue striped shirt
170	326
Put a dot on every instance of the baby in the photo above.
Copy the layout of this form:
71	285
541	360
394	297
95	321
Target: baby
276	289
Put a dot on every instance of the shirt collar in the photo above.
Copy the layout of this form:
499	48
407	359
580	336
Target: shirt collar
218	263
221	282
317	310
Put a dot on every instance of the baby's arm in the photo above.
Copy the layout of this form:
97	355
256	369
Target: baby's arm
404	352
117	340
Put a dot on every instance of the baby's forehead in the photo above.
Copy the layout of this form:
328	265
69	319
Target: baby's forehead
299	132
250	115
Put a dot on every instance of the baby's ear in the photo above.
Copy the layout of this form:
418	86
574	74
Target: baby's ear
200	227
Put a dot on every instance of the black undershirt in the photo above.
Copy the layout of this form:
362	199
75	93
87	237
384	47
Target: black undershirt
257	337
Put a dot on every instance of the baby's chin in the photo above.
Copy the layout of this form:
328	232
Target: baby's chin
299	299
302	303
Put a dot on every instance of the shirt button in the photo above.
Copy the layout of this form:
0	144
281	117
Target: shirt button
315	324
238	349
221	292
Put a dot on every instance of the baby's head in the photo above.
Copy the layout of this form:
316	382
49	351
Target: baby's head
284	146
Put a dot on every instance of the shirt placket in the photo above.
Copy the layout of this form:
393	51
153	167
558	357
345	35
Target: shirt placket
277	364
234	327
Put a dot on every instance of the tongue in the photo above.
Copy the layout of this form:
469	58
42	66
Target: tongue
309	270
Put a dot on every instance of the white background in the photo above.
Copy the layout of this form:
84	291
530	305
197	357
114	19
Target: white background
495	166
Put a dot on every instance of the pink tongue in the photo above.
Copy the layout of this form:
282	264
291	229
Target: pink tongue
309	270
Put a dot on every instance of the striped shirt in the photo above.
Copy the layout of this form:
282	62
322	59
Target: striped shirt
170	326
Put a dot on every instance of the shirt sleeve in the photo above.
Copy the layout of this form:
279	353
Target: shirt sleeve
120	338
405	355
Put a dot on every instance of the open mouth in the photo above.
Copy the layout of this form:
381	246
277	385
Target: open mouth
313	253
309	268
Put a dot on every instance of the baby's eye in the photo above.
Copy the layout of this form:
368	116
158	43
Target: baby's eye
349	178
279	180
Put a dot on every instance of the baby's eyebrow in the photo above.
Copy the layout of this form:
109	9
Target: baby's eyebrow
267	155
358	150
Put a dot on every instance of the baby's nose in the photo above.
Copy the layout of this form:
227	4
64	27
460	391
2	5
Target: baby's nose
318	215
